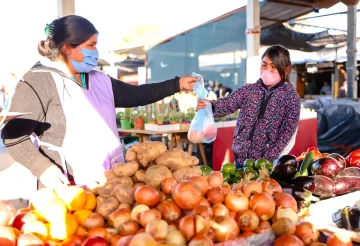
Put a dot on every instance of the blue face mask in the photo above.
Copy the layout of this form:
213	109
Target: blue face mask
89	62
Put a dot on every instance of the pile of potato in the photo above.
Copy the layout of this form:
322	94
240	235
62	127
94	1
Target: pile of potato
148	163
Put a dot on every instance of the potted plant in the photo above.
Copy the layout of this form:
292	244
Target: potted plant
125	119
139	120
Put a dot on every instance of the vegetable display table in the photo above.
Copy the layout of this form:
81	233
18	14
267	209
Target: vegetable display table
177	137
320	214
222	153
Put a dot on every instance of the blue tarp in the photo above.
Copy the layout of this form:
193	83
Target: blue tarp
338	124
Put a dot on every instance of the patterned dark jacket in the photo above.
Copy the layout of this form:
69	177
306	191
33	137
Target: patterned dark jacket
268	119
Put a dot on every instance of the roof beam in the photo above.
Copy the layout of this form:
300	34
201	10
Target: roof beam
304	5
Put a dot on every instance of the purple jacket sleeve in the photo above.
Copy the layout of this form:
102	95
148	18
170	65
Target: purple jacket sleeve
288	127
231	103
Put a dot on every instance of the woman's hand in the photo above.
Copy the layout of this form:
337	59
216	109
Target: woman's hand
201	104
53	178
187	83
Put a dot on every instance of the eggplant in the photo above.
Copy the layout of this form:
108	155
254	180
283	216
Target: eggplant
305	182
324	186
285	168
301	194
349	171
326	166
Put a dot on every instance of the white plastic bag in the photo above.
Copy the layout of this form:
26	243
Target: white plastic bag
202	128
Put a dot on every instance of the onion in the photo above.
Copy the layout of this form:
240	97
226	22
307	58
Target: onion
141	230
226	188
317	244
167	185
137	210
201	240
202	182
119	216
128	228
248	220
307	232
264	226
287	213
142	239
149	215
125	240
220	209
98	232
7	213
251	188
114	239
225	228
271	186
233	215
169	210
204	202
285	200
215	179
238	187
236	202
172	227
211	234
263	205
215	195
284	226
147	195
124	205
73	240
187	195
157	228
94	220
288	240
203	211
187	227
176	237
192	225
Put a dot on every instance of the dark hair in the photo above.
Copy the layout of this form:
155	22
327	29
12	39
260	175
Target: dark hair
71	29
280	57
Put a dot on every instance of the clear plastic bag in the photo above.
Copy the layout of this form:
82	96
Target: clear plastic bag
202	128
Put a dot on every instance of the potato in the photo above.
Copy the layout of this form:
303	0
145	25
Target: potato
139	176
148	151
105	206
177	159
109	175
124	193
186	172
106	190
130	155
156	174
123	180
136	185
125	169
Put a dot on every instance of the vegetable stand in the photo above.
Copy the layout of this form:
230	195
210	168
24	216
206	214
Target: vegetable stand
306	137
177	137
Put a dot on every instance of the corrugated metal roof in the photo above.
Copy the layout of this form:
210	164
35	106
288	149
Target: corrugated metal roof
275	12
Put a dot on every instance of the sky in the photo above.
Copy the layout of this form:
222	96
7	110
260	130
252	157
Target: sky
22	22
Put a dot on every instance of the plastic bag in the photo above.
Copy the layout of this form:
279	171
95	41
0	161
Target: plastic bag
202	128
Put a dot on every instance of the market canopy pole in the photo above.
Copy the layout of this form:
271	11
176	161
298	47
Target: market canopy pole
351	64
253	30
65	7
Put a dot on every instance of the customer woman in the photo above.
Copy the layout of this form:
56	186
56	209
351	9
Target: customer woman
72	126
269	110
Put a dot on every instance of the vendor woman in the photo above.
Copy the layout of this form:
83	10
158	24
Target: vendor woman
71	133
269	110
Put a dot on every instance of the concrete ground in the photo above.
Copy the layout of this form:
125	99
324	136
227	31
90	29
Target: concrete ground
17	184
